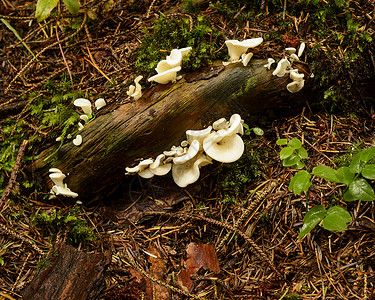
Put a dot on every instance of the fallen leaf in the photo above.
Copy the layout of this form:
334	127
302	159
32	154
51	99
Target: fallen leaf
202	255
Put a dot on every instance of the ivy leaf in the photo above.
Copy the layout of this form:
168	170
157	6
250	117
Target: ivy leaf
300	182
281	142
361	190
311	219
286	152
44	8
367	154
295	143
72	6
369	172
326	173
336	219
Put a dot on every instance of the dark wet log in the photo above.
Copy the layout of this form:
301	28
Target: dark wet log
69	274
159	119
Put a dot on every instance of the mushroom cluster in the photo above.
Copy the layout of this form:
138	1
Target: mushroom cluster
284	66
220	142
86	106
237	50
167	69
60	188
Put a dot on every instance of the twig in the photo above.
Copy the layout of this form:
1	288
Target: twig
13	176
63	56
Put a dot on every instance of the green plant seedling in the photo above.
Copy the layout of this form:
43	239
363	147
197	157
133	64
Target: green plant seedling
258	131
293	153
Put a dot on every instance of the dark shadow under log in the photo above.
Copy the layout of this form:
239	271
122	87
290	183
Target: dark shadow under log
152	124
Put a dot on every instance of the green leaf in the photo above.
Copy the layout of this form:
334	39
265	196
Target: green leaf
298	165
361	190
295	143
345	175
368	172
367	154
291	160
311	219
326	173
72	6
302	153
44	8
258	131
336	218
281	142
300	182
286	152
356	164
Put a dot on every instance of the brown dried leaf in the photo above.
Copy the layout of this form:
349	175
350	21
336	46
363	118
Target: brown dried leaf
202	255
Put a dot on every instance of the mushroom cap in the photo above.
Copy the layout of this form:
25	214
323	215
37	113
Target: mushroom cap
162	66
237	48
294	57
175	58
301	49
80	127
158	167
84	118
295	86
140	167
84	104
187	173
220	124
145	171
175	151
228	149
191	153
270	61
294	75
131	90
290	50
246	58
55	170
99	103
57	178
185	51
235	125
78	140
198	135
166	76
64	191
281	68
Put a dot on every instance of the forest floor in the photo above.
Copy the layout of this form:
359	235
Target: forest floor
231	235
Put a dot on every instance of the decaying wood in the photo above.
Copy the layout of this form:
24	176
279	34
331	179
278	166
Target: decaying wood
159	119
69	274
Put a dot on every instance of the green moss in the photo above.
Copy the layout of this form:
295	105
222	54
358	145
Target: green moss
171	33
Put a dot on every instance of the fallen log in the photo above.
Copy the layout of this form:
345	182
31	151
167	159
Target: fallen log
159	119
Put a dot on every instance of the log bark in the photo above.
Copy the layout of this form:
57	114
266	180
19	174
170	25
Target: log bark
71	274
159	119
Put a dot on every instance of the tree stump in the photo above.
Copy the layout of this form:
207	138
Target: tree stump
159	119
72	274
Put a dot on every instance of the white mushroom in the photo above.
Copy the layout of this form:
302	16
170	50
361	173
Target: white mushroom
269	63
281	68
78	140
191	153
175	58
295	86
246	58
57	178
295	76
220	124
185	51
60	188
64	191
198	135
84	118
236	48
188	173
84	104
294	57
158	167
162	66
290	50
175	151
55	170
99	103
80	127
301	49
135	91
167	76
142	169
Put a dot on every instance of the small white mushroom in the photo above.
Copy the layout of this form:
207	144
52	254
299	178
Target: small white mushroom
166	76
55	170
99	103
198	135
282	68
269	63
295	86
142	169
162	66
84	104
185	51
191	153
78	140
64	191
301	49
290	50
295	76
294	57
158	167
135	91
175	58
84	118
246	58
188	173
59	139
220	124
175	151
57	178
59	187
80	126
236	48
